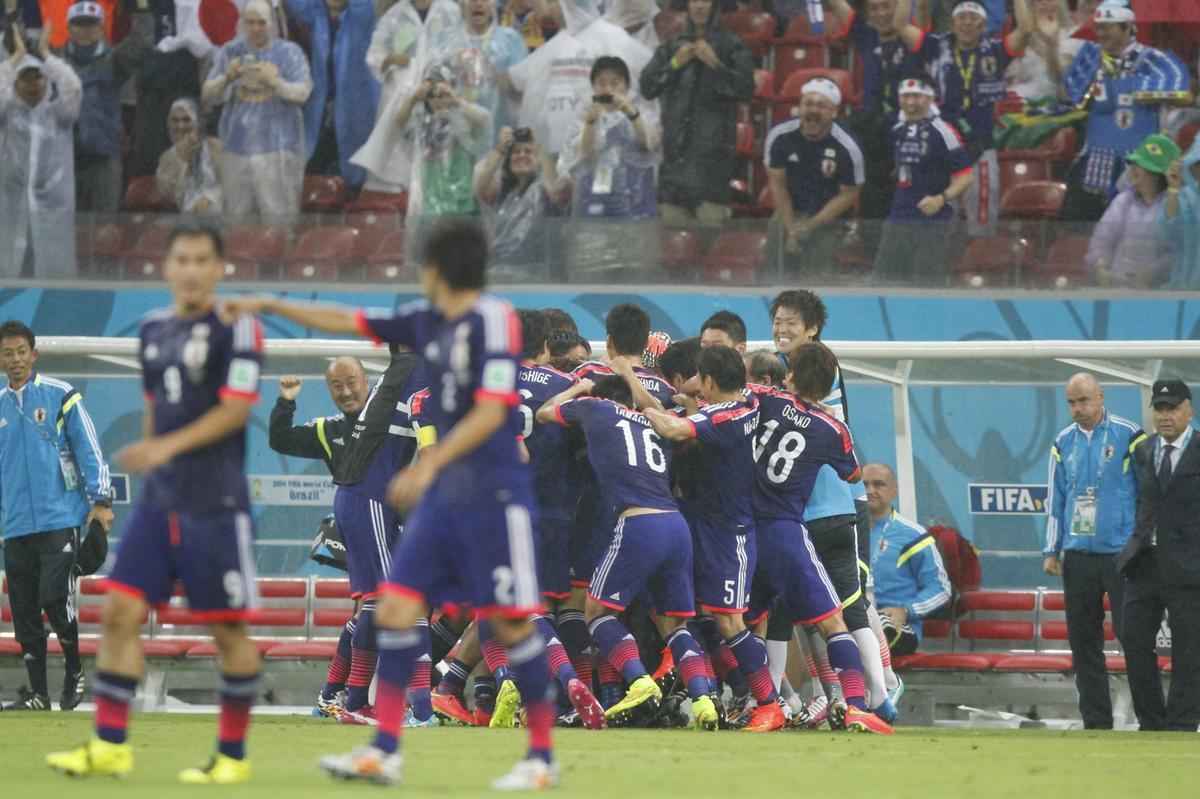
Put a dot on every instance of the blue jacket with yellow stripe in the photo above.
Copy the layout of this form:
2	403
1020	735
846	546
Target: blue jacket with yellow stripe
43	425
1102	463
907	568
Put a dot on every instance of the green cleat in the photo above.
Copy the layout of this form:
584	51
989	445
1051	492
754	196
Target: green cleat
508	702
704	714
642	691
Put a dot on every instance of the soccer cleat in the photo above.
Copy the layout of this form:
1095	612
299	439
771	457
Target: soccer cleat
666	664
365	763
29	701
766	718
610	694
451	708
704	714
643	690
586	706
814	713
221	770
897	692
364	716
838	711
865	721
330	708
532	774
74	687
481	718
568	719
886	711
412	722
96	758
508	702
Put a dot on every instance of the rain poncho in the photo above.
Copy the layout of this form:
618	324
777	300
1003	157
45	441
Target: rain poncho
480	61
401	32
517	220
446	146
37	173
355	93
195	184
555	80
1183	230
699	115
261	129
1127	240
635	14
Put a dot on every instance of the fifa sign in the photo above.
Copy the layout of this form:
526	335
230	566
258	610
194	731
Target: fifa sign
1003	499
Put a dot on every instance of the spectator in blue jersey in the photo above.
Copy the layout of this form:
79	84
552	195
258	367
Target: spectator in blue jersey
815	170
933	168
910	578
340	112
967	66
1090	516
885	58
1181	218
1123	85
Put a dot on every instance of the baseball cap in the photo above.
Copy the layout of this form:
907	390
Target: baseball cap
1169	392
1155	153
85	11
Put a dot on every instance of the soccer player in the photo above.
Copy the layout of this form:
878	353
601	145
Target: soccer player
469	535
651	548
192	523
722	517
724	329
795	440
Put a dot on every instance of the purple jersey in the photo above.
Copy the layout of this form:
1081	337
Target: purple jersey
188	366
655	383
632	467
547	443
724	483
467	359
399	448
794	440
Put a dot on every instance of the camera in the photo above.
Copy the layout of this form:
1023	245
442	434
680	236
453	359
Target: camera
522	136
602	99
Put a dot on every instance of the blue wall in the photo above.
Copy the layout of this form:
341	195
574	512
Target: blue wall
961	434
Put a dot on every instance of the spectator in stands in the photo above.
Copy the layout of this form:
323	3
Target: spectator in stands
1127	246
190	171
262	82
764	368
1161	565
967	66
886	60
486	52
815	170
1090	512
724	329
1037	74
1181	218
517	185
610	159
933	168
39	105
103	70
397	58
340	112
700	76
524	16
636	17
1123	85
910	578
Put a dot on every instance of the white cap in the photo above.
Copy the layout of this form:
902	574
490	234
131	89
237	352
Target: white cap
824	87
915	86
30	62
1114	12
85	10
969	8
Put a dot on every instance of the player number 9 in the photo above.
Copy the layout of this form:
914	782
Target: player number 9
172	384
235	589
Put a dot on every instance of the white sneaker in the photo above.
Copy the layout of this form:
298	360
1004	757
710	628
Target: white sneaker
365	763
528	775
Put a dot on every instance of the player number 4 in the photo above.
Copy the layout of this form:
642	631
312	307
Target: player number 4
790	447
656	459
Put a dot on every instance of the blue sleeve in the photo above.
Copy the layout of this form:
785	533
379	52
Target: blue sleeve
704	429
933	584
1056	502
958	157
572	412
495	364
402	326
930	48
1082	72
85	446
303	10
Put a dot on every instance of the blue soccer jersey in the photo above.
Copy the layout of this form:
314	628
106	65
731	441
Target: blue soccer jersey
929	153
188	366
472	357
794	440
654	383
724	481
969	82
547	443
631	464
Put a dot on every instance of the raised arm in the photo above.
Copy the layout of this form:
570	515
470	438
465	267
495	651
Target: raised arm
909	33
548	412
1019	36
670	426
330	318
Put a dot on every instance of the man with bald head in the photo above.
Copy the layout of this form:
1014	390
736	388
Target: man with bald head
1090	515
323	437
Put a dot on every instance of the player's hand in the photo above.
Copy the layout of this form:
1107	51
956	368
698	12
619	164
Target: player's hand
230	309
932	204
102	514
584	386
622	365
1052	566
407	487
289	387
899	616
144	456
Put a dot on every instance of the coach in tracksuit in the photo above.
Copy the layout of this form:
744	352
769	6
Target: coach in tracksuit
53	480
1090	516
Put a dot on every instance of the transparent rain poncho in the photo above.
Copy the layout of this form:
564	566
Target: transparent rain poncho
480	61
518	221
195	184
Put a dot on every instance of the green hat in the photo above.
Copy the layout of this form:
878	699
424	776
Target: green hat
1155	153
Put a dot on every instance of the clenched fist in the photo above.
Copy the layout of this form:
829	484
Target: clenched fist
289	387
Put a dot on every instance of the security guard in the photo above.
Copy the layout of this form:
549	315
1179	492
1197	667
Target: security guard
1091	512
53	479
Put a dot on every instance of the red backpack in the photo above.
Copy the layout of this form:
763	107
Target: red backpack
960	557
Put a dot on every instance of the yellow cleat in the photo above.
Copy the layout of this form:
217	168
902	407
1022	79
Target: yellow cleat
641	691
95	758
221	770
704	714
508	701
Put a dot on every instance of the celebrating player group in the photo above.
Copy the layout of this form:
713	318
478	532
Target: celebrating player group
602	542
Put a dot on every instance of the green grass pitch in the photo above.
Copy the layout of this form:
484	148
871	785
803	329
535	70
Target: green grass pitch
629	764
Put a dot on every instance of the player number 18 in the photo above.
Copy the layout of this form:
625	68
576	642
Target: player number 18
789	448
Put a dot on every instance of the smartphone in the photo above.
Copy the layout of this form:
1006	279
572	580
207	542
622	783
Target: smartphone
602	99
522	135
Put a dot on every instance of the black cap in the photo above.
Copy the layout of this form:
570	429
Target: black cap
1169	392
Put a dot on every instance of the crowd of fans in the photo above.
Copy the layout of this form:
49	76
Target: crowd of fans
527	110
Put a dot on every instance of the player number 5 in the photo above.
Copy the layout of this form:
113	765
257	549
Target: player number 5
730	593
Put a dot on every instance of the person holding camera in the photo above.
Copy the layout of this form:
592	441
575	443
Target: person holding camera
190	170
517	185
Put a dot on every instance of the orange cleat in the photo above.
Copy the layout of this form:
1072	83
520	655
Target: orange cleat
766	718
866	721
481	718
451	708
665	665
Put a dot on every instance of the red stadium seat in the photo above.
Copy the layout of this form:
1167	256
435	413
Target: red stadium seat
1015	171
1035	663
379	202
144	260
388	261
259	617
332	617
736	257
1115	663
949	661
282	588
669	24
755	29
936	628
142	194
322	194
320	253
256	243
373	229
998	600
990	260
332	589
308	650
996	630
798	48
680	250
746	146
209	649
9	646
1065	264
1054	630
1187	135
764	86
90	614
1039	199
1054	600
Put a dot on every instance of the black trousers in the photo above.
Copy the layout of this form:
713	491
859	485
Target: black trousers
1145	600
40	569
1086	579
